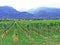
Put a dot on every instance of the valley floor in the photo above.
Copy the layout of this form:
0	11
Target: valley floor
29	32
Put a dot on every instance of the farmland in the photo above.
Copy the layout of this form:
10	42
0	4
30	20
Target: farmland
29	32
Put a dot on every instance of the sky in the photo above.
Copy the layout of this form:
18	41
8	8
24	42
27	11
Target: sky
25	5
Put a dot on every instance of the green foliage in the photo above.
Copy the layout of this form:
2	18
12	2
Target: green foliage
30	32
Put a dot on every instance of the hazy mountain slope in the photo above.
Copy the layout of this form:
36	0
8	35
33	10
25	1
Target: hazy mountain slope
46	12
39	13
9	12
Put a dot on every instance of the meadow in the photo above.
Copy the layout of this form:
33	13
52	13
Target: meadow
29	32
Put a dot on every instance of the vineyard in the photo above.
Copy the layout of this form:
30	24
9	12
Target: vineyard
29	32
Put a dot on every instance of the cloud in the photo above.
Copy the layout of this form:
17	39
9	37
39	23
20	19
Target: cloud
29	4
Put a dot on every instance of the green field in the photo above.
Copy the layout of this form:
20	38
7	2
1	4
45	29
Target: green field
29	32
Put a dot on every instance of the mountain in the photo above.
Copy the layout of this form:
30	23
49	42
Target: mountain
26	15
11	13
7	12
45	12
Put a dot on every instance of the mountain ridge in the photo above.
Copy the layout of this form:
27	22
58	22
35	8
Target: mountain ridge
11	13
46	12
41	13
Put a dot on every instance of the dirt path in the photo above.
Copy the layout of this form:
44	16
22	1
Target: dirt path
15	36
